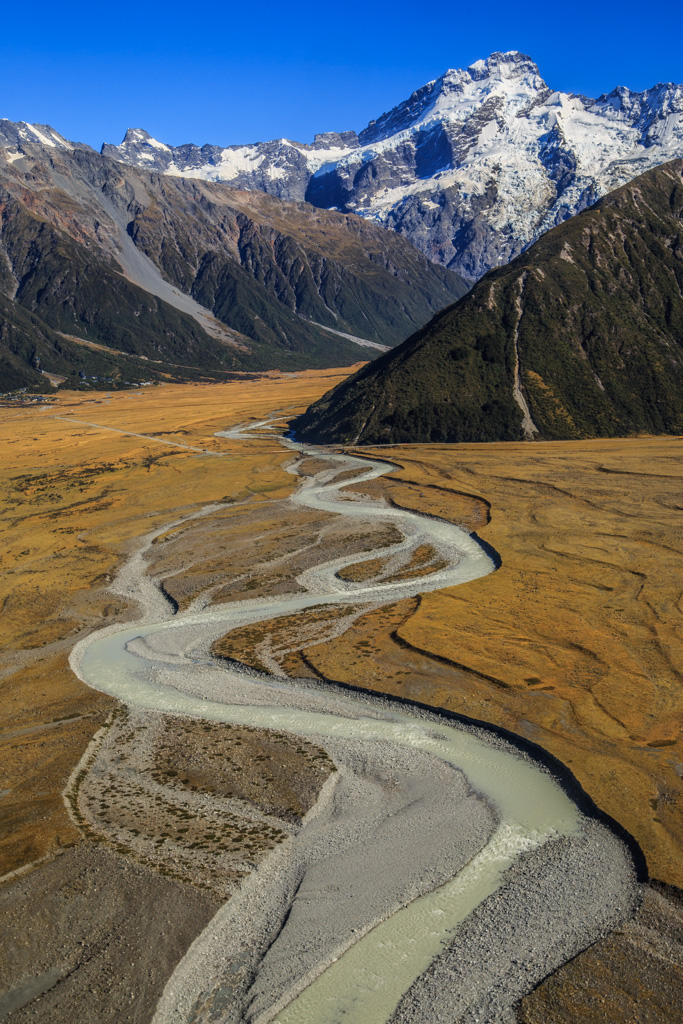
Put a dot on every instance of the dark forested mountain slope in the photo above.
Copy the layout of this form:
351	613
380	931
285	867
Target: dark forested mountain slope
189	274
581	336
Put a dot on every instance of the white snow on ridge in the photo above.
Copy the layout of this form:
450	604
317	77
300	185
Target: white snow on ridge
158	145
491	145
319	158
234	162
45	139
597	133
53	139
14	134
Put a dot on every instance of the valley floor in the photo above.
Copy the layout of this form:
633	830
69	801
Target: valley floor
574	644
76	497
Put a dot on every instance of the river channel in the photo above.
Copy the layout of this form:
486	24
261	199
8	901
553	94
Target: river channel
148	665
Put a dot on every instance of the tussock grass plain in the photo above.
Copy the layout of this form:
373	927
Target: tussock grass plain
574	642
75	497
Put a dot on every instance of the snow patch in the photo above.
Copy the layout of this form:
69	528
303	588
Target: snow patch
517	156
46	141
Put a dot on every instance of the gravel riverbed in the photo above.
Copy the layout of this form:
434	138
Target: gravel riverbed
361	856
393	823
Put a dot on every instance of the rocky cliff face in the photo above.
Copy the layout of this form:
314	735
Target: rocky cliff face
195	273
580	336
471	168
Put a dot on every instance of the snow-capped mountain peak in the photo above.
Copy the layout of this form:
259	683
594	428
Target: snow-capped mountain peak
509	65
472	167
21	133
139	147
139	137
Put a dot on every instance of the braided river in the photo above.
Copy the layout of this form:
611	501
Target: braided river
158	664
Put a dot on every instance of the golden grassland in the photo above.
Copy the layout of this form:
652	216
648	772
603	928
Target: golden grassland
75	496
575	642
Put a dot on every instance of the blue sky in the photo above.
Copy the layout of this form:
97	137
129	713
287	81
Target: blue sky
243	72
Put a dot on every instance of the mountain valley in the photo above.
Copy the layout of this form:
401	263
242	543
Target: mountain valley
103	266
158	802
341	608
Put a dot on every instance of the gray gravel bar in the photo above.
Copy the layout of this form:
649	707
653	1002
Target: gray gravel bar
442	872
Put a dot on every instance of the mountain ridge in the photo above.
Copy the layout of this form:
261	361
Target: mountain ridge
579	336
472	167
195	272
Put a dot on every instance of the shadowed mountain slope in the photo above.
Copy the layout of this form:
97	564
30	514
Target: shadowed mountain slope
581	336
190	274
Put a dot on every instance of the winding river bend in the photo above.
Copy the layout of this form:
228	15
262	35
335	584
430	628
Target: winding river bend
163	664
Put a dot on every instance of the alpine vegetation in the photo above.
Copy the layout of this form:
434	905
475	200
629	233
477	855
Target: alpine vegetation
580	336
